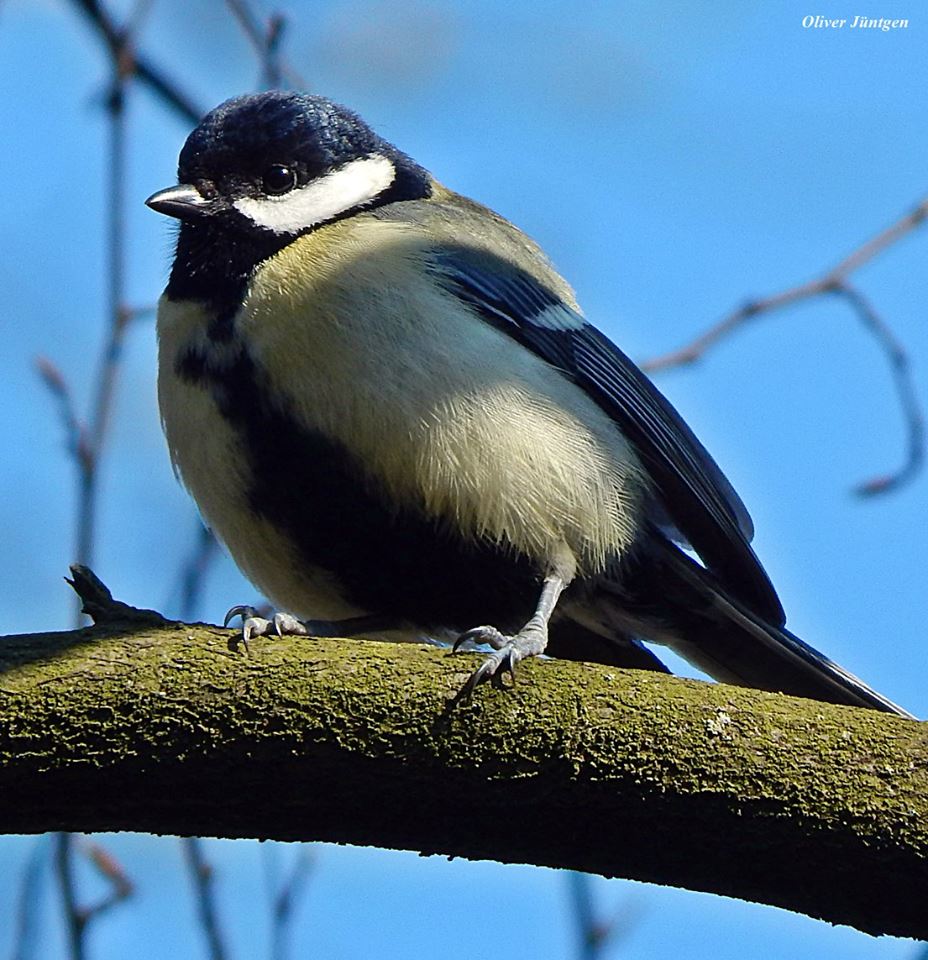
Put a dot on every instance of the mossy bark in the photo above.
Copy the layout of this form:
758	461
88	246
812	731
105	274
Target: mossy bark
137	725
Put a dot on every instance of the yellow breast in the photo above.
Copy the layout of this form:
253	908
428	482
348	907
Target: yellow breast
444	410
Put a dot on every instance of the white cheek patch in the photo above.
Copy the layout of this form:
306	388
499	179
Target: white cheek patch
353	185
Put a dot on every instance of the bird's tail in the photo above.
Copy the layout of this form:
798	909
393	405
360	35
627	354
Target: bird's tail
676	602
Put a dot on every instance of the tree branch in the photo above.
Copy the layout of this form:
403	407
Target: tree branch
141	725
147	73
837	281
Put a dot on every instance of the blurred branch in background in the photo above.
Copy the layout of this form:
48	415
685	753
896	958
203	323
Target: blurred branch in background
139	66
86	437
26	918
901	368
284	893
78	917
75	432
192	580
835	281
595	936
266	39
108	867
75	922
201	874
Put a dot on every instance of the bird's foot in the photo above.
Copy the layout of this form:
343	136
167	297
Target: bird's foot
509	651
254	625
287	625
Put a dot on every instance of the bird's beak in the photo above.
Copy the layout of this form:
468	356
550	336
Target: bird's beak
184	202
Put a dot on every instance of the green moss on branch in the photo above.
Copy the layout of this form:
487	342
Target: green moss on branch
136	725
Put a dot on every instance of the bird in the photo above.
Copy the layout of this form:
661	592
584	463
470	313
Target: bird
391	409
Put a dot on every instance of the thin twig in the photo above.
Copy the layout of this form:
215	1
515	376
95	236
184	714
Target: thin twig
75	430
590	935
267	41
194	570
148	75
835	281
867	251
833	278
284	897
905	390
75	918
201	873
596	936
121	887
264	38
27	907
118	317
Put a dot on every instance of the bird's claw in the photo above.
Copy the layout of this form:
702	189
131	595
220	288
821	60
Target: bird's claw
254	625
240	610
287	625
509	651
484	634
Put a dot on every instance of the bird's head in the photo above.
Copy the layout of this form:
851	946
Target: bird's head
284	163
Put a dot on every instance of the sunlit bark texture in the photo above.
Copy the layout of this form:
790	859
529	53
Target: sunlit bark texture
137	724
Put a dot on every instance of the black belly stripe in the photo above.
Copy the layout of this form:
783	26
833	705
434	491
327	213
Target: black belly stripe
389	561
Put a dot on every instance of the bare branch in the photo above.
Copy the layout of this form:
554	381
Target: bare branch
150	76
121	887
201	874
111	359
78	917
75	920
194	570
594	935
835	281
905	391
827	283
823	809
27	906
875	246
284	897
75	431
591	936
266	38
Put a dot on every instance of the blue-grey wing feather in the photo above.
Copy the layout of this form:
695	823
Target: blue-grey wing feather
694	494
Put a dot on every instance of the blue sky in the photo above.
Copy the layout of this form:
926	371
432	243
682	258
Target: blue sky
674	160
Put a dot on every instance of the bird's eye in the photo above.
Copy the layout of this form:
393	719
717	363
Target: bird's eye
279	179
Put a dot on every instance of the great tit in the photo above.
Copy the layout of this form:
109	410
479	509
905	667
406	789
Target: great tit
390	407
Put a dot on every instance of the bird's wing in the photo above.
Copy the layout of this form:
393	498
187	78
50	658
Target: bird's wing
693	491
